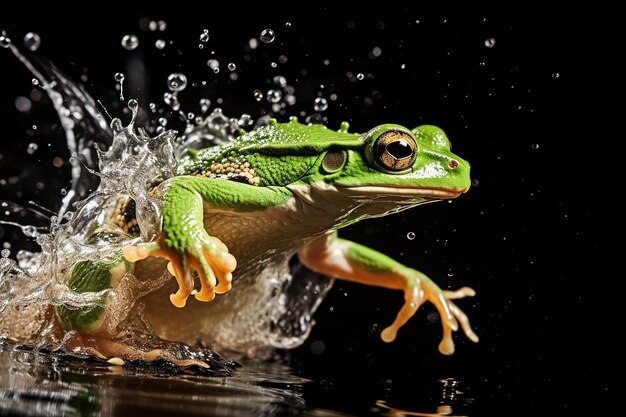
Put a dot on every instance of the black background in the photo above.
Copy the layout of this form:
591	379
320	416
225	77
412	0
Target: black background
526	236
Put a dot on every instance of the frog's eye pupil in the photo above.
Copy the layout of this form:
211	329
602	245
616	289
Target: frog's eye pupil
395	150
399	149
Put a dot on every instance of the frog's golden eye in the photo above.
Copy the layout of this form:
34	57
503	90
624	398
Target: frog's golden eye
395	150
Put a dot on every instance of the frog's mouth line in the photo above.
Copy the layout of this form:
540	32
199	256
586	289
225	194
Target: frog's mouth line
438	193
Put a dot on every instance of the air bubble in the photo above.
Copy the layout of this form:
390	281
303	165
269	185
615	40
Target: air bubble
130	42
555	75
35	81
160	44
231	66
360	76
535	146
119	77
32	41
320	104
176	81
32	148
288	25
490	42
267	36
410	235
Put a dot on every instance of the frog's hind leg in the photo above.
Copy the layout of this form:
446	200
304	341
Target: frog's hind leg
347	260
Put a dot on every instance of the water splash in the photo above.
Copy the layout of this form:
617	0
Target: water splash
126	160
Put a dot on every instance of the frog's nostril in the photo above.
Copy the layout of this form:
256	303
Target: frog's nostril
453	164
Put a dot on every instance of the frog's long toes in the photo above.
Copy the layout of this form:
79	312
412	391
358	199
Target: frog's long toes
225	283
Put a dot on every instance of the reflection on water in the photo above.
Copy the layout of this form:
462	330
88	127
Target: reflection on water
44	384
34	384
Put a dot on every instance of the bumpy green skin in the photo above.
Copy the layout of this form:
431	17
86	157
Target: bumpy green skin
88	276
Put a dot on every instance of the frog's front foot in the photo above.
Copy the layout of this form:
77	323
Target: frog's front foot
420	288
207	255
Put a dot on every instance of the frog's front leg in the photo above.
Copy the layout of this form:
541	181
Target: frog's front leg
350	261
186	244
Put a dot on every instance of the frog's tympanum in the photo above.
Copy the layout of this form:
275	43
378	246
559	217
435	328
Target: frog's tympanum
235	211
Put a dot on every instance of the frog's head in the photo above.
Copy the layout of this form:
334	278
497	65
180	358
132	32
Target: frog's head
390	166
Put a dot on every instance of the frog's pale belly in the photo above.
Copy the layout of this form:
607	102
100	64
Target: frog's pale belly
252	314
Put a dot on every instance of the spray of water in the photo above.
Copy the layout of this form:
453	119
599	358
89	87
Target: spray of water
126	160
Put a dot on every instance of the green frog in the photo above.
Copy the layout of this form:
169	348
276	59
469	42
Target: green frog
236	214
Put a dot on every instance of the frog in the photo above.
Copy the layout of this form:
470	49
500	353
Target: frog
234	211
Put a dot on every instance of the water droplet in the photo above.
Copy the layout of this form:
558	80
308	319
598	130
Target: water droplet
267	36
535	146
231	66
23	104
35	81
258	95
63	191
253	43
133	105
376	52
5	41
410	235
5	253
490	42
32	148
32	41
280	81
162	25
475	182
160	44
403	66
130	42
273	64
176	81
153	106
482	64
288	25
30	231
152	25
204	36
555	75
214	64
274	96
290	99
205	103
320	104
360	76
119	77
171	100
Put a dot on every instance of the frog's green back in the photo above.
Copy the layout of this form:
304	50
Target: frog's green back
278	153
